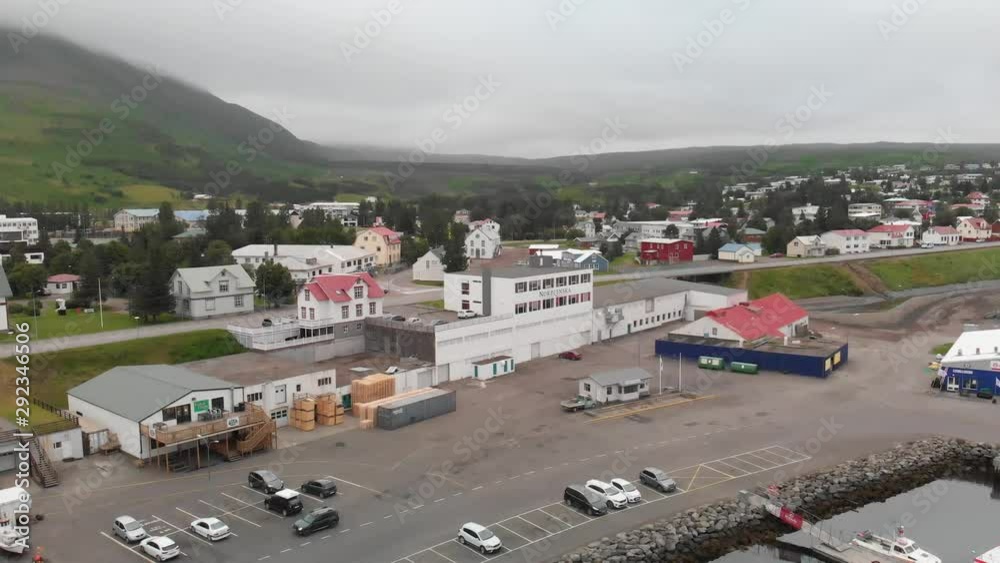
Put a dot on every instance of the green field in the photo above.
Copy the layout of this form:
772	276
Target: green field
938	269
942	348
54	373
802	282
436	303
50	325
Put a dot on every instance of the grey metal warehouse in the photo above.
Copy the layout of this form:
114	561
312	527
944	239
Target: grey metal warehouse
815	358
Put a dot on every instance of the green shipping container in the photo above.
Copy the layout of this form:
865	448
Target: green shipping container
708	362
743	367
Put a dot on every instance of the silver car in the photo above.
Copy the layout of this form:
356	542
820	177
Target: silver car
129	529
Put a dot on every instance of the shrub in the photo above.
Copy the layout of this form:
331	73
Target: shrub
18	309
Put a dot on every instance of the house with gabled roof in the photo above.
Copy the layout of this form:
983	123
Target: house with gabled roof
200	293
774	316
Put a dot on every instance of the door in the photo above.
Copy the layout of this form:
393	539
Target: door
536	350
218	403
280	397
67	450
280	417
183	414
952	383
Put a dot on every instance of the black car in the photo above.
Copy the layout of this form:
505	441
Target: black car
320	487
265	480
657	479
285	501
583	498
319	519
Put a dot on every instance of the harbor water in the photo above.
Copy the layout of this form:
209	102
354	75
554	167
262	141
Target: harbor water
955	520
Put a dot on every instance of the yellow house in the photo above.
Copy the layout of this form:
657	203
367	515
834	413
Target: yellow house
382	242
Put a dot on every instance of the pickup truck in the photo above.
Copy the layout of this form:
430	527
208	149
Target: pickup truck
578	404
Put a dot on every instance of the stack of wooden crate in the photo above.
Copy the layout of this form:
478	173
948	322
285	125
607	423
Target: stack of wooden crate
372	388
303	415
329	411
368	412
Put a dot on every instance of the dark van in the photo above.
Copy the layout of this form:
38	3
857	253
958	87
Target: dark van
586	500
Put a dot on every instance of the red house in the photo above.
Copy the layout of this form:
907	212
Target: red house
665	251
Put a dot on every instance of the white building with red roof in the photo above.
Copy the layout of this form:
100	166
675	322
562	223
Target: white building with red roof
61	284
892	236
979	198
383	242
774	316
846	241
941	236
329	300
974	229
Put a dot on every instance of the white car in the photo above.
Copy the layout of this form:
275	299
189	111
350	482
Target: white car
160	548
210	528
614	497
128	529
414	320
631	493
466	314
479	537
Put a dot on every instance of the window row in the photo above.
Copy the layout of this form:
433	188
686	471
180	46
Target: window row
549	283
563	300
673	315
238	302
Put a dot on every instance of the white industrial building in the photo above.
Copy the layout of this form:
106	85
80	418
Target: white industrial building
345	211
18	230
210	291
430	266
626	384
972	363
846	241
519	290
131	220
307	260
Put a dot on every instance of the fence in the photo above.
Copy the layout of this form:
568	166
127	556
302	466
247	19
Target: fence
68	421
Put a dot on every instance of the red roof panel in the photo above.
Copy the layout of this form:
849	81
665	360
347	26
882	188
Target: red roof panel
759	318
337	287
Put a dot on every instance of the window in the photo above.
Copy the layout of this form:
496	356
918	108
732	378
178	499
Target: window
573	280
520	287
586	387
312	314
535	306
534	285
324	381
609	390
359	310
302	314
573	299
560	301
584	278
371	308
252	397
465	305
357	326
345	312
180	286
520	308
547	304
347	329
298	387
465	288
224	286
238	301
584	297
56	445
359	292
715	331
547	283
210	304
306	292
561	281
280	413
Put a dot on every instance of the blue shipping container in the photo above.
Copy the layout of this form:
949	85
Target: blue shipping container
974	379
785	362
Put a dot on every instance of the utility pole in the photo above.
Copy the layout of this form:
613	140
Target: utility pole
661	374
680	380
100	302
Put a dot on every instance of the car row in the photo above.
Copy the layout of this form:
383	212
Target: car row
596	496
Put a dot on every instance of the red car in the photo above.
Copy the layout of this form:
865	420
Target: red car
777	255
571	356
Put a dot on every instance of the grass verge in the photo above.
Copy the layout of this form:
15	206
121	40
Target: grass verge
802	282
941	268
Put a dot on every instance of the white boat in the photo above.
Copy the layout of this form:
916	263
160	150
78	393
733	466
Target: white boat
12	541
991	556
901	549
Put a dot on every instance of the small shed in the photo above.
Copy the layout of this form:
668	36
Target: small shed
492	367
62	284
620	385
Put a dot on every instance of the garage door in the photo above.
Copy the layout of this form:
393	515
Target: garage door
280	417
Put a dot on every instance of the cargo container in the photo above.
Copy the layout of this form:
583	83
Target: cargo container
812	357
408	410
708	362
743	367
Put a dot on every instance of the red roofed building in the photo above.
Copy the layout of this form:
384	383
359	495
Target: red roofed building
61	284
979	198
974	229
941	236
383	242
891	236
774	316
328	301
665	251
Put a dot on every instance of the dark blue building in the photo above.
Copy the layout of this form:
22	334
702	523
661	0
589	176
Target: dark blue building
814	358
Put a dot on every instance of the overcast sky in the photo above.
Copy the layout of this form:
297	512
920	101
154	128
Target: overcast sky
561	68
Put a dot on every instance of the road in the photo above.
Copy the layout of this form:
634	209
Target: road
505	456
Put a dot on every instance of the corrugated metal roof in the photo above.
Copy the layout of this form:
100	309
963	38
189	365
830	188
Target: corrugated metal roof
136	392
638	290
200	279
620	376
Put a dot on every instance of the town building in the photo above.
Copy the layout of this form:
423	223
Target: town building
626	384
750	234
307	260
533	291
865	211
211	291
483	242
891	236
737	252
5	294
346	212
979	198
805	213
383	242
806	247
665	251
574	258
973	363
61	284
461	216
774	316
191	217
539	248
487	224
588	228
15	230
846	241
430	266
941	236
131	220
974	229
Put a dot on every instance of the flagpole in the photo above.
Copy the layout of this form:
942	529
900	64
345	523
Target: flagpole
100	302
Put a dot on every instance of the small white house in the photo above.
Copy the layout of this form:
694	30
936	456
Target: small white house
736	252
846	241
626	384
974	229
211	291
805	247
483	242
430	266
61	284
941	236
492	367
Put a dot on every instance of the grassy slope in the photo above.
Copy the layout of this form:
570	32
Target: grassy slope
938	269
802	282
52	374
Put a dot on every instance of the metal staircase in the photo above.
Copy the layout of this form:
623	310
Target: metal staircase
41	468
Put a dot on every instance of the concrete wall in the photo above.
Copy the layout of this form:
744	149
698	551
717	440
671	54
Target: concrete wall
637	316
399	338
428	268
322	351
67	444
453	297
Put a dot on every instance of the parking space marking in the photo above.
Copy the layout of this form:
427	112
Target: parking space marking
325	537
791	451
741	471
230	513
234	534
742	460
441	555
477	488
366	524
249	505
723	473
303	544
286	550
345	531
354	485
263	558
133	550
771	463
513	532
182	530
519	517
769	456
